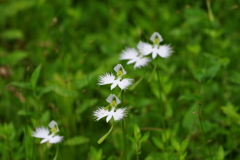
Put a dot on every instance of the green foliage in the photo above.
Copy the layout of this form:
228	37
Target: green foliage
95	154
138	139
53	52
220	153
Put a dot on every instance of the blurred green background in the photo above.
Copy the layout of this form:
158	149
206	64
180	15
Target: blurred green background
53	52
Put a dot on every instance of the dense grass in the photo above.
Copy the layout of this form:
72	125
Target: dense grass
71	43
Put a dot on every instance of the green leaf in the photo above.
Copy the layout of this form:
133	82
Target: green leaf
77	140
35	76
184	145
130	138
137	133
12	34
85	105
23	112
175	144
24	85
182	156
199	74
16	6
189	96
190	118
212	71
95	154
13	58
234	76
145	137
220	153
41	91
65	92
231	112
157	142
194	48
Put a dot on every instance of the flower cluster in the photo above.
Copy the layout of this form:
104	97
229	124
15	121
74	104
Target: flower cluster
139	56
111	110
43	132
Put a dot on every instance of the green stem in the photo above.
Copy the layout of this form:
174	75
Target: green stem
124	140
124	133
137	151
10	148
120	94
210	14
56	155
26	142
105	136
205	137
136	84
160	99
153	71
160	105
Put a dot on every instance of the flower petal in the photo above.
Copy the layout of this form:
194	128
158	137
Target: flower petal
115	83
165	51
45	139
119	114
155	52
129	54
141	62
53	124
55	139
117	68
110	115
111	97
145	48
125	83
154	35
41	132
100	113
106	79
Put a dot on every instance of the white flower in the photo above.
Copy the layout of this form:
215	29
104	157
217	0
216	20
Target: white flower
53	125
113	100
163	51
43	132
117	114
133	56
156	36
119	68
116	80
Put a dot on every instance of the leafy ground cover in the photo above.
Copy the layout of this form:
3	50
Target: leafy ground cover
52	54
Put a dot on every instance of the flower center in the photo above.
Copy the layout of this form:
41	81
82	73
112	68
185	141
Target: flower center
54	130
156	40
113	103
120	73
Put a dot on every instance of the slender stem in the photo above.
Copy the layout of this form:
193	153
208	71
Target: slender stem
159	99
56	155
161	106
154	69
10	148
124	140
210	14
205	137
26	143
124	133
136	84
105	136
137	151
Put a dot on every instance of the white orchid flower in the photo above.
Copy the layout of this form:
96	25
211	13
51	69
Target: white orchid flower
42	132
123	83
